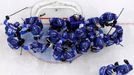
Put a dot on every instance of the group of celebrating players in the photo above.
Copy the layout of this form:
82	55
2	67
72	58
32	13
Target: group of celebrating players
68	37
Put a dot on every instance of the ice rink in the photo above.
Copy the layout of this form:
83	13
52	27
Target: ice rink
12	63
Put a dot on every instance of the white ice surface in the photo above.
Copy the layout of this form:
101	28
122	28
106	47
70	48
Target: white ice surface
11	63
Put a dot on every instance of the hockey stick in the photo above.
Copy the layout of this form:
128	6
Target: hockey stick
21	51
19	11
116	19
